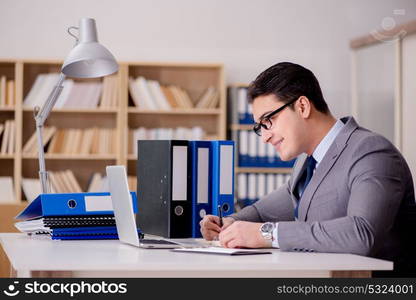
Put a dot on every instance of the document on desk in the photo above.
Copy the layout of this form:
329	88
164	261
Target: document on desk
222	251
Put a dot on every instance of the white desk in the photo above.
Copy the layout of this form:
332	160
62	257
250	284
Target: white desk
41	257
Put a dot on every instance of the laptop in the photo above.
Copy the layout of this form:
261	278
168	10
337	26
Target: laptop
123	213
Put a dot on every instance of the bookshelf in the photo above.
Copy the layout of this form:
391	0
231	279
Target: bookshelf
255	176
119	118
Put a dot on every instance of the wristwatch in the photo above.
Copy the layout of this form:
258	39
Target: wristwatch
266	231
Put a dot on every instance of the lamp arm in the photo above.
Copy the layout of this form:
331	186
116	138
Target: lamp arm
40	117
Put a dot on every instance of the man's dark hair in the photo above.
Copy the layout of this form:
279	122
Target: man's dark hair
288	81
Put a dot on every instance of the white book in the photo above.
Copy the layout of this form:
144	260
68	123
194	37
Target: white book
261	185
242	186
5	140
242	101
270	185
243	142
135	94
95	183
145	96
262	150
204	100
66	90
3	91
198	133
252	144
31	188
158	95
12	134
45	89
34	90
7	190
271	153
252	186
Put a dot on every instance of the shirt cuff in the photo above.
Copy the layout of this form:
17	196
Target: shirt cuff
275	242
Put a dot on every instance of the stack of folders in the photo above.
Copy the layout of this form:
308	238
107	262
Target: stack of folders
75	216
180	181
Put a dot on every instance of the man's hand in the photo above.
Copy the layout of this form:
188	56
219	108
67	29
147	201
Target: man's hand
210	226
243	234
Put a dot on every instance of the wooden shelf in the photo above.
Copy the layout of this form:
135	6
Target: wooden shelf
7	109
79	110
73	156
193	77
264	170
194	111
236	127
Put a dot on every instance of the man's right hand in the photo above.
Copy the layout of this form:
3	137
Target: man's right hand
210	226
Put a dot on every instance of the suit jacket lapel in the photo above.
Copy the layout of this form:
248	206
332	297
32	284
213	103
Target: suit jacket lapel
325	165
298	170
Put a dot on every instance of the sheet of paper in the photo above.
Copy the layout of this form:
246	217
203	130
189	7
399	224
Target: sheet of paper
224	251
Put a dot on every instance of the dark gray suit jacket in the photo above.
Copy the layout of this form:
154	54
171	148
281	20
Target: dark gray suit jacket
359	200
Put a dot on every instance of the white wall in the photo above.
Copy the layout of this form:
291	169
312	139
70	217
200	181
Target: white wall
247	36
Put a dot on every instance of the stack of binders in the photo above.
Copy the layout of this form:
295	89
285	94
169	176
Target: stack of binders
72	216
179	182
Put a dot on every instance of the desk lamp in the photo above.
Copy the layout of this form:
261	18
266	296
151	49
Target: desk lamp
88	59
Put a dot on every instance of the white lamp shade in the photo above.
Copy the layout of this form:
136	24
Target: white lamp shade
89	59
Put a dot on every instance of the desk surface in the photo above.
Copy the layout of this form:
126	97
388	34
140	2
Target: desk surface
92	258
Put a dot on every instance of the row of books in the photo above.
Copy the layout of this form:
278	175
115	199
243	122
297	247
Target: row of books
75	94
7	190
241	111
7	94
99	183
180	133
7	137
61	182
253	186
253	152
150	94
74	141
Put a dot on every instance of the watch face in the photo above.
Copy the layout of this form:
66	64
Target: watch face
267	227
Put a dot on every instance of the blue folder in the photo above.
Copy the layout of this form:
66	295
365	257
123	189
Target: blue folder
73	204
86	233
201	183
222	162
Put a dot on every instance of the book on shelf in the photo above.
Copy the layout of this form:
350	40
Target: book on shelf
7	97
31	146
60	182
151	95
209	99
73	141
7	190
180	133
8	141
75	94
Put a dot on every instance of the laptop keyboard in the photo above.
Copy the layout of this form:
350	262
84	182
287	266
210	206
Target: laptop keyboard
159	242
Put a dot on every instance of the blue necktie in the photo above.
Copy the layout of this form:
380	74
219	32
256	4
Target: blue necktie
306	178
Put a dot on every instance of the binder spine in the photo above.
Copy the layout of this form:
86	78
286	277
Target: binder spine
201	184
222	163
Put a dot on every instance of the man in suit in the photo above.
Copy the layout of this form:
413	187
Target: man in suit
351	191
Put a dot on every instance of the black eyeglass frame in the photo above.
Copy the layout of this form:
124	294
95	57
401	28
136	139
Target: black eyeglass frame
267	118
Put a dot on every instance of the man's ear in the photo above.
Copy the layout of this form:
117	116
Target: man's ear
304	107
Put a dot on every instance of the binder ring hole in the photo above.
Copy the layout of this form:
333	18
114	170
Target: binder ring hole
178	210
72	203
202	213
225	207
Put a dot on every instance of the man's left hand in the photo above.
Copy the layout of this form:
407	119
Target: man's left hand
243	234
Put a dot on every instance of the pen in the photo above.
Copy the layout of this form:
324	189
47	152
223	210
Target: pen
220	215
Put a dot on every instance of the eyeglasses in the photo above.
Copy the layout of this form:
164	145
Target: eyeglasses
266	121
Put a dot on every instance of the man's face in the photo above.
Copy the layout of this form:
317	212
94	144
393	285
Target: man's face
287	133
